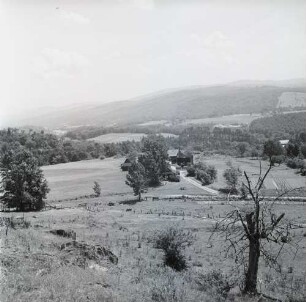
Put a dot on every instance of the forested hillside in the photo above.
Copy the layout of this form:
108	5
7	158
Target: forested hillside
179	104
281	124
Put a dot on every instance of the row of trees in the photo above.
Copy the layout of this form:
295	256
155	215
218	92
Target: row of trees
50	149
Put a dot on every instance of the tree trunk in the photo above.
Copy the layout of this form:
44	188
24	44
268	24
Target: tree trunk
139	196
251	275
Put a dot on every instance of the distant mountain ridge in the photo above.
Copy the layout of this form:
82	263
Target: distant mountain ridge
181	103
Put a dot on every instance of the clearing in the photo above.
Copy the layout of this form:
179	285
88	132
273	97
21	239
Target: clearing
122	137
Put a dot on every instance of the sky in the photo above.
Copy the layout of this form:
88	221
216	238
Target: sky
60	52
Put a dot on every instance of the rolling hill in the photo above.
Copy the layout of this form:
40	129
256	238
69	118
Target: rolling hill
177	104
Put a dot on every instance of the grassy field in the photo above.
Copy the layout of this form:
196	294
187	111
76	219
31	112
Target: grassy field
122	137
225	120
280	177
76	179
292	99
234	119
37	268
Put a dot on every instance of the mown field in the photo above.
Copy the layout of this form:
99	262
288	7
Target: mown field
292	99
233	119
37	268
77	178
122	137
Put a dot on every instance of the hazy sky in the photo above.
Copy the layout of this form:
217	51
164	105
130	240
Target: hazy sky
60	52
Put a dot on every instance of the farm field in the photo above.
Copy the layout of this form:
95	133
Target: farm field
234	119
75	179
122	137
292	99
281	177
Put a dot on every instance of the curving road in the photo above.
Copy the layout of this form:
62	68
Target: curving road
196	184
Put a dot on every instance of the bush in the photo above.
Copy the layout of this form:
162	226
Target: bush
278	159
172	242
191	171
204	177
295	163
231	176
206	174
174	178
97	189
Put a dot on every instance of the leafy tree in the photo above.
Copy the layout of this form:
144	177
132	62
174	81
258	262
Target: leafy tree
272	148
136	178
23	185
97	189
231	176
154	158
292	150
303	150
242	147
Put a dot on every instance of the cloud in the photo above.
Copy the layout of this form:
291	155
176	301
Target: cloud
72	16
54	63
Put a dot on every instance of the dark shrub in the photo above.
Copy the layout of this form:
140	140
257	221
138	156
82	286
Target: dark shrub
172	241
295	163
278	159
191	171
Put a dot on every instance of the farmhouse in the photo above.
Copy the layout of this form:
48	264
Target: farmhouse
284	142
180	158
126	165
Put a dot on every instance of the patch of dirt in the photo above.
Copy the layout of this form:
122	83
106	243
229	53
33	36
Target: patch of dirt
83	254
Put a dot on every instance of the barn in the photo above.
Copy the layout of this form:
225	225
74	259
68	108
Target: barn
180	158
126	165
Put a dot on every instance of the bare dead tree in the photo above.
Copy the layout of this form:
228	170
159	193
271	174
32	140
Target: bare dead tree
251	230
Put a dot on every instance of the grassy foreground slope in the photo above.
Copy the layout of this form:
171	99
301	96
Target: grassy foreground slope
37	269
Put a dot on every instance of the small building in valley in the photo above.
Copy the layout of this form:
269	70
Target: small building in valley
180	158
284	142
126	165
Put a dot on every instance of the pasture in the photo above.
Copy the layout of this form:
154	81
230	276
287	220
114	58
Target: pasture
38	269
76	179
